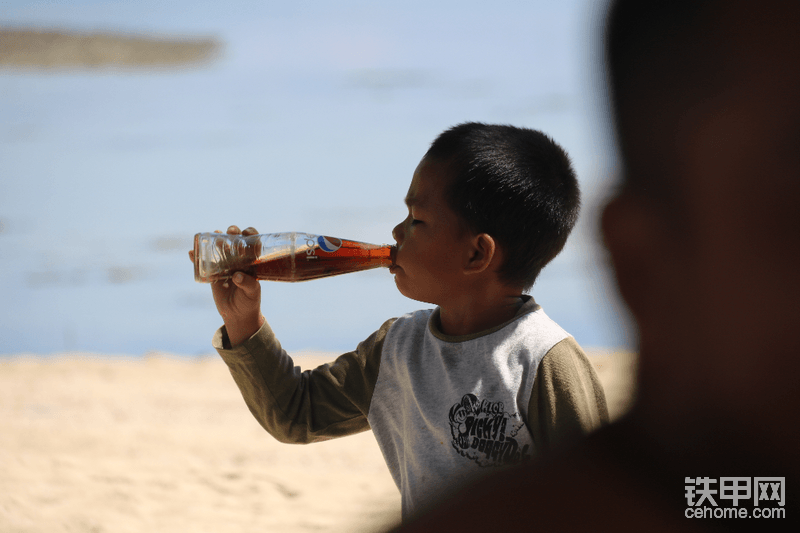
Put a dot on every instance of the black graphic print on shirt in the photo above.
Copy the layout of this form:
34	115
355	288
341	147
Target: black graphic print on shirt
485	433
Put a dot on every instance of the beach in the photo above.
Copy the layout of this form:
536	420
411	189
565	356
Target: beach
99	119
92	443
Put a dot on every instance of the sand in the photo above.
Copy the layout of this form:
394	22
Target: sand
166	444
49	49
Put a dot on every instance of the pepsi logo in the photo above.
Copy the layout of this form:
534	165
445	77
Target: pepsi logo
329	244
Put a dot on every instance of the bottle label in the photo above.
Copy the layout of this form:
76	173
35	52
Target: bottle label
329	244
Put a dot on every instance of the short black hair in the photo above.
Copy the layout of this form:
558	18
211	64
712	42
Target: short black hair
515	184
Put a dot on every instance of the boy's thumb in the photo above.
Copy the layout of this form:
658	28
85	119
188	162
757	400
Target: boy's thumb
248	284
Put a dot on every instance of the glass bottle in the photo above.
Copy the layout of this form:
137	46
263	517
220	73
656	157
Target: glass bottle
290	256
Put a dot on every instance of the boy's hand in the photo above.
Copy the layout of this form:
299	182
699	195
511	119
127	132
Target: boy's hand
238	300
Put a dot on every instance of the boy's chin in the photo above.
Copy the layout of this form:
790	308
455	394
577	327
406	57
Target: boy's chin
410	293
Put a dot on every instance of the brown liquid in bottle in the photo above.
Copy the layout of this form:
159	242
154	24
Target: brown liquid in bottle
350	257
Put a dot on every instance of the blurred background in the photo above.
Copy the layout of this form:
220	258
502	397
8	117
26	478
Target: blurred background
127	127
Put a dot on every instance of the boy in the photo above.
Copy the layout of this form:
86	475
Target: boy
486	379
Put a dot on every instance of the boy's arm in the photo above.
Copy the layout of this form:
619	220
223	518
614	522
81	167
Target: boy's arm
567	400
301	407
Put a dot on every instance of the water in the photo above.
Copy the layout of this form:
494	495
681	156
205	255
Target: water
312	119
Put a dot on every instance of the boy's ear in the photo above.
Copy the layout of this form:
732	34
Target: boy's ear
482	251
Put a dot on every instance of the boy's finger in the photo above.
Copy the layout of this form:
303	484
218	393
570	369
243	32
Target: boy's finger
250	231
246	283
234	230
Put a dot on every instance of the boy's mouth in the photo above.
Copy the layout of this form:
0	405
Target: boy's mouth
393	268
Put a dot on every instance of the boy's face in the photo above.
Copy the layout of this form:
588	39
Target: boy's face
432	243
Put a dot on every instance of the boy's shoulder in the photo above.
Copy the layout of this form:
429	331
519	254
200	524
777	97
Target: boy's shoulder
534	328
413	324
420	316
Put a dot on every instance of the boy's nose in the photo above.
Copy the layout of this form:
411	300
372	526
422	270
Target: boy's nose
397	233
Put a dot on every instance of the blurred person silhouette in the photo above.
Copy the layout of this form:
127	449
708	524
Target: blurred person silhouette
703	236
